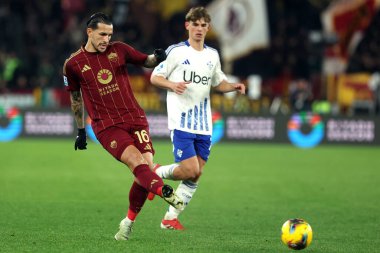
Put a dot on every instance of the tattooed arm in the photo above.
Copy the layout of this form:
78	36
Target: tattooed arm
77	108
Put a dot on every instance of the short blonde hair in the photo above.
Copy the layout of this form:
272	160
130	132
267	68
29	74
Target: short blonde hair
197	13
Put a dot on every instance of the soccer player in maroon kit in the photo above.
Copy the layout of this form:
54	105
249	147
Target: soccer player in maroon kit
96	76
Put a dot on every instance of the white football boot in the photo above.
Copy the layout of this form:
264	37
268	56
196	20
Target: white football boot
125	230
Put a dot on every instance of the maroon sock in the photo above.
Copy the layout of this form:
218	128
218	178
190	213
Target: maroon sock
137	197
148	179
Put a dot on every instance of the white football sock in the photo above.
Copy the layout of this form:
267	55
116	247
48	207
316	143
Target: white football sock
185	190
166	171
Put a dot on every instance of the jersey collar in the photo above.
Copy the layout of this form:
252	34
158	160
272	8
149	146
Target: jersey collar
187	43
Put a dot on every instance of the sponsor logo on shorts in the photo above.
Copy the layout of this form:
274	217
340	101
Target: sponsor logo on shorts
113	144
179	153
148	147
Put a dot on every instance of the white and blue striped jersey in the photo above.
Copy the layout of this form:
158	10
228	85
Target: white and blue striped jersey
191	111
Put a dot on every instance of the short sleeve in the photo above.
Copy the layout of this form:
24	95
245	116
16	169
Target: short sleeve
70	80
166	67
218	76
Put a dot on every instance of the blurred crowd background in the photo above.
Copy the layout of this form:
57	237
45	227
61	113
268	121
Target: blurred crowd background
321	55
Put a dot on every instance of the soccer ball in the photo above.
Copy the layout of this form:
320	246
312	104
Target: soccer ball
296	234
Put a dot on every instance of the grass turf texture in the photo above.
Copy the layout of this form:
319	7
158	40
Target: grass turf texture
55	199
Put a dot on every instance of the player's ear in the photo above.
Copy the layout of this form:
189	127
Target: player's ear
187	24
89	31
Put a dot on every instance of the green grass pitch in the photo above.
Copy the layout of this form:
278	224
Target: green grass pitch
55	199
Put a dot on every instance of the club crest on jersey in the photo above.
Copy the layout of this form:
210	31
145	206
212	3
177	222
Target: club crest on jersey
104	76
210	65
113	144
112	57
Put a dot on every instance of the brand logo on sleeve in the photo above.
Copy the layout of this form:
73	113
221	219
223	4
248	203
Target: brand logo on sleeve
160	67
65	82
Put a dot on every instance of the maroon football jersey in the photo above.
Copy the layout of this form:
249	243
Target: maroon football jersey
104	82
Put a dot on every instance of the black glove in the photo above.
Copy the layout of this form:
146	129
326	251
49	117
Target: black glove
80	141
160	55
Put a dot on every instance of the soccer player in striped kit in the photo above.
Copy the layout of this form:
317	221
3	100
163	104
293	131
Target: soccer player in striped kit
188	73
96	76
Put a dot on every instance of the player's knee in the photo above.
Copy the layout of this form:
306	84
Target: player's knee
198	175
132	159
196	178
190	172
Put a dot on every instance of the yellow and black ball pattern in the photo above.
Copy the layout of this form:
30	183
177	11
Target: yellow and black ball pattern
296	234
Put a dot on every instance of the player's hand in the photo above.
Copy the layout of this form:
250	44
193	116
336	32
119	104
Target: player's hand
160	55
180	87
240	88
80	141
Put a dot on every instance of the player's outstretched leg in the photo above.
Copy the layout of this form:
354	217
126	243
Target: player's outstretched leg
153	183
151	194
125	229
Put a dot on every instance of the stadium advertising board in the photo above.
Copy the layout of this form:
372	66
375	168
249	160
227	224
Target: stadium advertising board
17	100
304	130
359	130
250	128
10	124
48	123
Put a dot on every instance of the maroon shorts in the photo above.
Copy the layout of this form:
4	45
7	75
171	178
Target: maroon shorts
116	138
